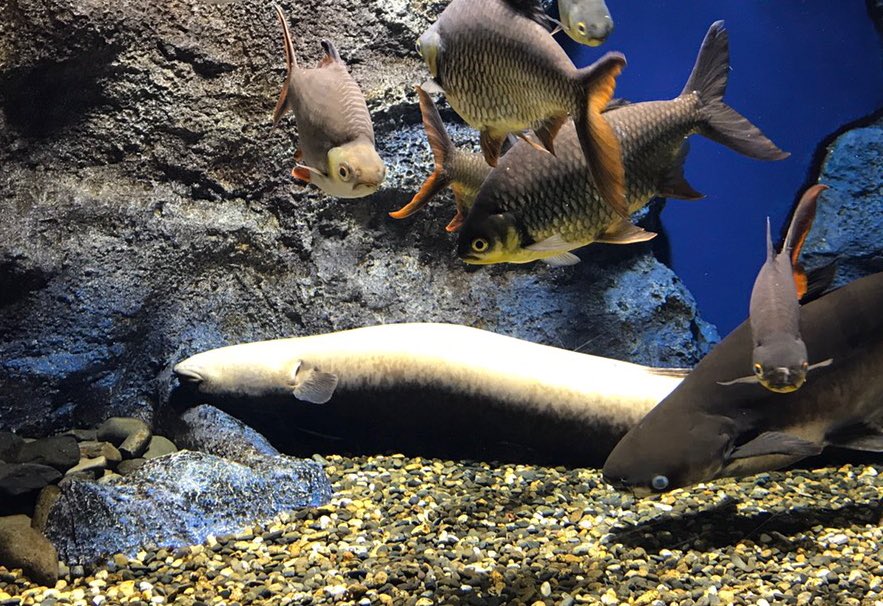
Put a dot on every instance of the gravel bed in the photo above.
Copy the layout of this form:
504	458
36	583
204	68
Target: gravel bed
420	532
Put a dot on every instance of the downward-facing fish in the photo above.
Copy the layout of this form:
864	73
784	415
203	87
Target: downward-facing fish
704	431
537	206
779	358
335	135
586	21
503	73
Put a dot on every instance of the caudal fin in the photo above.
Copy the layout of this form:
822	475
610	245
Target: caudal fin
801	223
721	122
596	137
282	105
442	149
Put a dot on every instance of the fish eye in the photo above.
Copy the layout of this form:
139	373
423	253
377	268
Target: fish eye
419	46
581	28
659	482
758	369
344	172
480	245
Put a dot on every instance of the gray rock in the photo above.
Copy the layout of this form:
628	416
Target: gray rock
83	435
92	449
207	429
21	546
60	452
150	213
129	466
848	222
131	436
179	500
159	446
10	444
22	478
89	467
45	501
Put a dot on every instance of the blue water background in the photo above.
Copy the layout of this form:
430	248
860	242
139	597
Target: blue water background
800	69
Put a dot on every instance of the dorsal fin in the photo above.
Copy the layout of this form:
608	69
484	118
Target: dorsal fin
801	223
532	9
283	105
770	251
331	54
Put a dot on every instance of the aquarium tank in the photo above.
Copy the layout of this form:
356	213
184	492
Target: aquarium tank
441	302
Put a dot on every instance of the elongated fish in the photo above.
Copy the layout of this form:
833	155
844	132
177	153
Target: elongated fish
536	206
704	431
421	387
586	21
779	358
335	134
503	73
464	171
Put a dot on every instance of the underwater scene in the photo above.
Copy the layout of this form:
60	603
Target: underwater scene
441	302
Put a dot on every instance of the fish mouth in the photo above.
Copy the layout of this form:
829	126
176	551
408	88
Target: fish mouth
595	41
472	260
188	375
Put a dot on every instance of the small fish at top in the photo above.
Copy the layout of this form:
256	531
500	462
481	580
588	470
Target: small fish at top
335	135
464	171
502	71
535	206
779	358
586	21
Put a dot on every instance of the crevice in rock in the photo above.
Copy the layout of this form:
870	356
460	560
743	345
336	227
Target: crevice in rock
42	99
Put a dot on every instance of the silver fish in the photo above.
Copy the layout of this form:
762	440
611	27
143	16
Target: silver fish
703	431
335	135
779	358
586	21
503	73
537	206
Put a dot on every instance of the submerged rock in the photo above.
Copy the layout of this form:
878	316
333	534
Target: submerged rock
208	429
849	222
17	479
22	546
149	212
60	452
176	500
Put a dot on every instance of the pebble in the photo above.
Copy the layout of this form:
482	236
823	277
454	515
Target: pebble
420	532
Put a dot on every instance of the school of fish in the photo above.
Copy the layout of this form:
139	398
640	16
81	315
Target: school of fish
562	165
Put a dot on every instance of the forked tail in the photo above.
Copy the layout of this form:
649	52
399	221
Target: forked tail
721	122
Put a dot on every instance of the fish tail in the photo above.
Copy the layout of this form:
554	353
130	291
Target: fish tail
283	104
721	122
597	138
798	230
442	151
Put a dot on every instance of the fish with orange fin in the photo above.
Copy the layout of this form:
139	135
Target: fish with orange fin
335	135
503	73
779	357
462	170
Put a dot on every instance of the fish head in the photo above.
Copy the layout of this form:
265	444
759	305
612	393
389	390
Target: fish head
199	371
429	47
486	239
588	23
781	364
667	451
355	170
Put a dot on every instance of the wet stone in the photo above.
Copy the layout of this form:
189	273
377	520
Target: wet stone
158	447
10	444
131	436
59	452
22	478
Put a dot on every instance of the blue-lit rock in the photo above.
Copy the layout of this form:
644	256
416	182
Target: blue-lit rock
208	429
848	227
179	499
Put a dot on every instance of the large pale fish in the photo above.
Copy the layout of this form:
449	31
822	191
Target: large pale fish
420	388
586	21
704	431
536	206
462	170
779	359
502	71
335	135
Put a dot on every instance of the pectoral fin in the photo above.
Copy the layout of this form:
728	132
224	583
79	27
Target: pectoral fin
432	87
562	260
556	242
821	364
302	173
547	132
751	379
776	442
312	385
491	146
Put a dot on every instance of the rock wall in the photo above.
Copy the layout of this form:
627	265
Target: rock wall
148	211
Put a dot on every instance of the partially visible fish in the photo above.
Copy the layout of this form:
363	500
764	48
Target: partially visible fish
779	358
335	135
464	171
586	21
703	431
503	73
537	206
